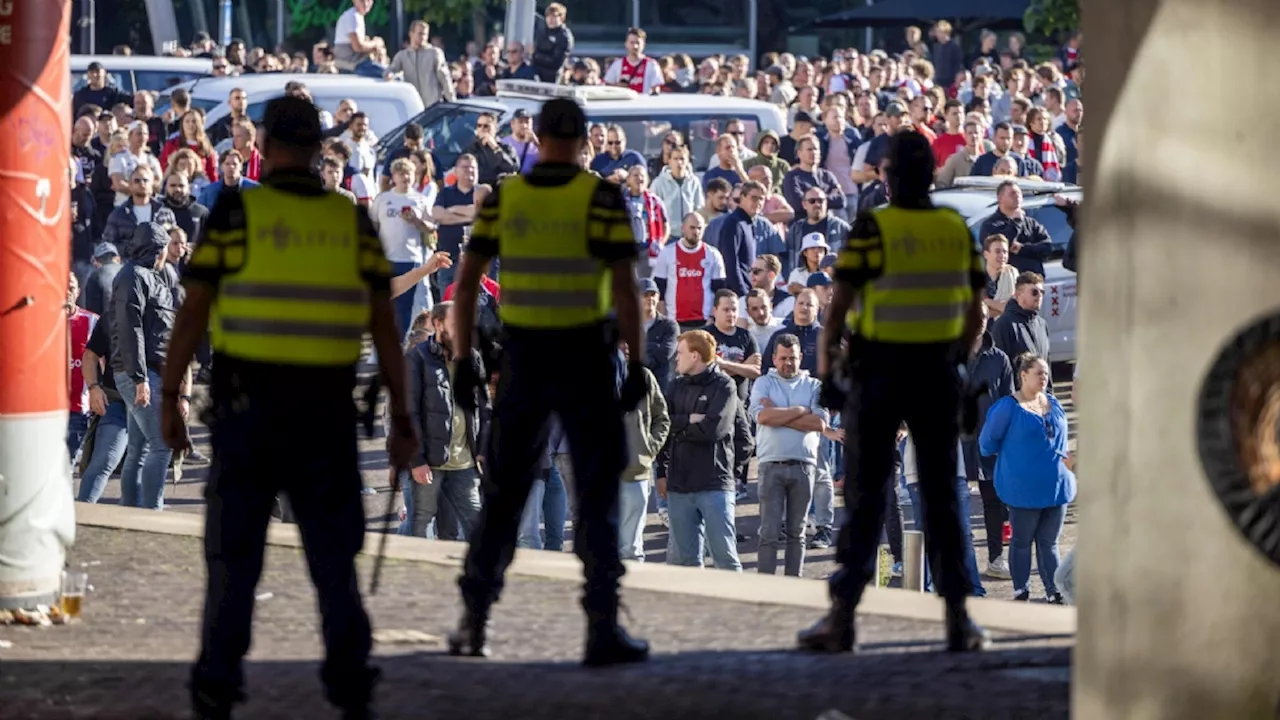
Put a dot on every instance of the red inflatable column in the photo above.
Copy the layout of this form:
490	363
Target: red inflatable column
37	517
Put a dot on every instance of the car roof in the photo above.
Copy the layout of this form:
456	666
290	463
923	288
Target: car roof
513	95
978	202
80	63
256	84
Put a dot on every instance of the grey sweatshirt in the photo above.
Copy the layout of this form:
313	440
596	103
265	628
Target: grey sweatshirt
776	444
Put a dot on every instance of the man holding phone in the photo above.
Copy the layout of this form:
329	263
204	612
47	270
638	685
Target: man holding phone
402	217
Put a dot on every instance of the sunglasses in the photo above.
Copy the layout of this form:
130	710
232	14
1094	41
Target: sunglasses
739	133
1037	292
758	271
816	201
614	143
484	126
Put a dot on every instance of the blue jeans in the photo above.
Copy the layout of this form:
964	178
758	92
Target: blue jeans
698	515
77	426
147	461
109	444
547	499
452	499
404	303
370	69
406	492
1043	525
966	531
633	510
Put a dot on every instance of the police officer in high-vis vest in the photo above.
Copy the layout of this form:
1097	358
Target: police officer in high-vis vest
568	258
916	279
289	278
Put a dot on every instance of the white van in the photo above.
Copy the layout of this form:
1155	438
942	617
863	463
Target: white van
449	127
130	73
388	104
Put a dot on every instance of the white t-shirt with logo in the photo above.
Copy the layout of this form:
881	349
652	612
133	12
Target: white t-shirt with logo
125	162
401	241
362	187
689	274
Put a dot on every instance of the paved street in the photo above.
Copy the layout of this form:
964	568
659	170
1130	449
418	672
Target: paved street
128	657
187	496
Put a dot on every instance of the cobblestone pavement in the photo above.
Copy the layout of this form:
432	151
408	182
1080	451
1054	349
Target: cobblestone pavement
128	656
187	496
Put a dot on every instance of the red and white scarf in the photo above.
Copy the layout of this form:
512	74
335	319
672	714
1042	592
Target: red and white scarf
1049	158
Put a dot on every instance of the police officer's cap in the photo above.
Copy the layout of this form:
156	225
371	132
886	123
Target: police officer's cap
292	121
562	119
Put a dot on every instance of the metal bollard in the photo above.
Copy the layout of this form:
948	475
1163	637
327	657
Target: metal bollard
913	563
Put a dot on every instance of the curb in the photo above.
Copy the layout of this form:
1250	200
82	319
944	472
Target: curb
1032	619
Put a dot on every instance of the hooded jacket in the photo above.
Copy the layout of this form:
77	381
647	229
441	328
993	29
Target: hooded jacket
780	444
1019	331
678	198
778	167
142	307
990	377
699	457
431	406
647	429
122	221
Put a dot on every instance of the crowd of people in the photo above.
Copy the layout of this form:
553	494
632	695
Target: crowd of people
738	276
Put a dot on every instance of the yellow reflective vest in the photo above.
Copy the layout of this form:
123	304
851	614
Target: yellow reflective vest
924	290
298	298
549	278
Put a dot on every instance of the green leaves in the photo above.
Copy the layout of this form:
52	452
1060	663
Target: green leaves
1053	18
444	12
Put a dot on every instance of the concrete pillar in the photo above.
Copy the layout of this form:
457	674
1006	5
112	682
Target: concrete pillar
1179	615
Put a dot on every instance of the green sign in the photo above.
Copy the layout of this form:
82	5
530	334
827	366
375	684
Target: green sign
310	15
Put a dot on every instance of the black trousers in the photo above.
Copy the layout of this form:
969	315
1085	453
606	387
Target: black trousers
571	373
994	512
259	450
893	383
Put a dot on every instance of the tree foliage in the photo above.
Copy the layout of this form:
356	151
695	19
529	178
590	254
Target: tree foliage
1053	18
445	12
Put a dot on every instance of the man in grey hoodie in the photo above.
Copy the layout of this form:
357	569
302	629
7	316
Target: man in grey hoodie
790	423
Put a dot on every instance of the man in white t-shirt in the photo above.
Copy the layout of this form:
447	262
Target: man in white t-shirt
636	71
360	140
401	216
123	163
351	46
688	273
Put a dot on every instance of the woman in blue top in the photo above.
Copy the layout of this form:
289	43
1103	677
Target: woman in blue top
1028	432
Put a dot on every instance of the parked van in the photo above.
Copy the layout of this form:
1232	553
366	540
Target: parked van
130	73
449	127
388	104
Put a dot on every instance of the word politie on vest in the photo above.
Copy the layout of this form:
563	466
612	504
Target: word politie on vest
910	245
282	236
521	225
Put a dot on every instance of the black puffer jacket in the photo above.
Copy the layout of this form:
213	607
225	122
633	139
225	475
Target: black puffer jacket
699	457
1020	331
142	307
431	406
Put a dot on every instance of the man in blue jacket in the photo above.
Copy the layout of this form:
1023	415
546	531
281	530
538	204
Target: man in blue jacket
742	235
805	326
660	334
230	169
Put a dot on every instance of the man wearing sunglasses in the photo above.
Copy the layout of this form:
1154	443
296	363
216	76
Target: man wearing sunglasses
492	157
1021	329
1029	242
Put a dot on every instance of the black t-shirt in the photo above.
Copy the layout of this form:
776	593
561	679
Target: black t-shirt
735	347
100	343
992	285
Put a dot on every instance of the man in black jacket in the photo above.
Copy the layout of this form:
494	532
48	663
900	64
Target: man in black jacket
805	326
492	157
1021	329
660	334
446	470
696	467
1029	242
989	377
552	44
142	312
187	213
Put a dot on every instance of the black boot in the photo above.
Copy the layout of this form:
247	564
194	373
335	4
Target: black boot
208	707
834	633
608	643
472	636
963	634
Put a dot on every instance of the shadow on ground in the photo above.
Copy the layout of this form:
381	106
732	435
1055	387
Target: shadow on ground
773	685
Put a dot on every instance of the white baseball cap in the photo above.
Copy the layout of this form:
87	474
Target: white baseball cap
814	240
